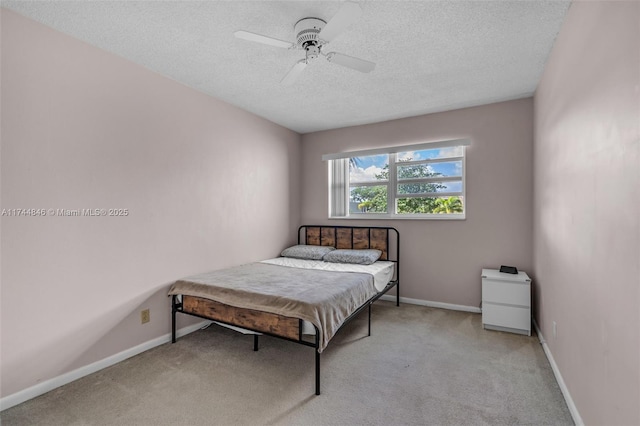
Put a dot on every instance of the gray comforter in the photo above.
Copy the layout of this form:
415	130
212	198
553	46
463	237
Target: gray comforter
323	298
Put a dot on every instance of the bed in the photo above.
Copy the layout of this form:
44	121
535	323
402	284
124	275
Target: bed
305	299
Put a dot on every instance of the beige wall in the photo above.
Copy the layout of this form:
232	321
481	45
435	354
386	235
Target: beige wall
442	259
207	185
587	209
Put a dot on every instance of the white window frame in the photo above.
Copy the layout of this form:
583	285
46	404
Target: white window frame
339	185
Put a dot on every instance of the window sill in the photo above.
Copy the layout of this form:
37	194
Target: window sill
402	217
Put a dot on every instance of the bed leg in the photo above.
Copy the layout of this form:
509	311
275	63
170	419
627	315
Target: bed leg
317	372
173	318
317	361
369	332
255	342
398	294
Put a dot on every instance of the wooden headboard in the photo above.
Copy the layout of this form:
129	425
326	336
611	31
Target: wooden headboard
385	239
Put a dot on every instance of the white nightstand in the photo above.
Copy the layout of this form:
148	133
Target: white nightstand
506	301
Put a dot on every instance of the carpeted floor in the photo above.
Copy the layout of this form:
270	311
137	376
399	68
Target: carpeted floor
421	366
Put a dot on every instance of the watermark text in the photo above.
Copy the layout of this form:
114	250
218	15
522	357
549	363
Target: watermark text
58	212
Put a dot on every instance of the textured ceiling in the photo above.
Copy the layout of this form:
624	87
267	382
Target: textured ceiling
431	55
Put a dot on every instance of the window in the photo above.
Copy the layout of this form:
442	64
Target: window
425	181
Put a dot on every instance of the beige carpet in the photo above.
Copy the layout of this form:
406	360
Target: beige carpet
421	366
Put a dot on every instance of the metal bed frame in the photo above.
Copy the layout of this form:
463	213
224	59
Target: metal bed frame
341	237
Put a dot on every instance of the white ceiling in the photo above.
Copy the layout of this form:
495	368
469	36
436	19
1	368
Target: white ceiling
431	55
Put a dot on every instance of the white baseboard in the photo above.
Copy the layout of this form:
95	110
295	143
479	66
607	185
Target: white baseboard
556	372
51	384
433	304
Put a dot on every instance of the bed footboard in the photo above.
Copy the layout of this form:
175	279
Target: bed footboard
265	322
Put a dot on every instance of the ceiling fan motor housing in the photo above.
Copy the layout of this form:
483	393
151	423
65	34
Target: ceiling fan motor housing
307	30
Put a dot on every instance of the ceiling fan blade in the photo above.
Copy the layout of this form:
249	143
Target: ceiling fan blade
294	72
348	13
351	62
246	35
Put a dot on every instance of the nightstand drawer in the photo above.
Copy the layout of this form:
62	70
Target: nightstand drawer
506	316
509	293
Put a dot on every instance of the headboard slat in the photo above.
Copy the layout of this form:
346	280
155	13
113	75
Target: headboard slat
328	236
380	241
312	236
361	238
345	238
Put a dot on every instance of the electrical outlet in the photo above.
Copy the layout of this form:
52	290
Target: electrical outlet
144	316
555	330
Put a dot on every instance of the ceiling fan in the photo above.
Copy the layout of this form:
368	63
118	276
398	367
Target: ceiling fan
312	35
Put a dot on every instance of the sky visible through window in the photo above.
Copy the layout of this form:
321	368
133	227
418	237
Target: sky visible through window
368	167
